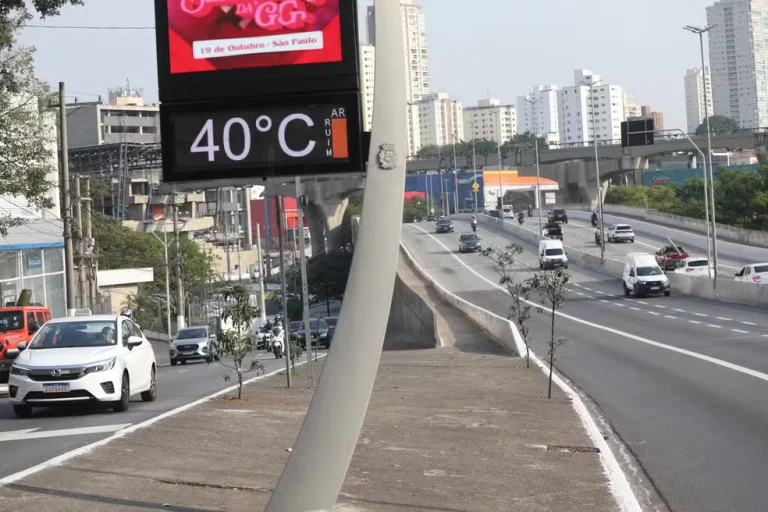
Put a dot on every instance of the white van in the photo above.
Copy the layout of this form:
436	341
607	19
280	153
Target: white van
552	254
643	276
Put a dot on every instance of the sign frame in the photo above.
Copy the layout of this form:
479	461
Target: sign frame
259	81
215	172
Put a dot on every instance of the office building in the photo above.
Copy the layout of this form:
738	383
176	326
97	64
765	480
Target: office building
575	106
367	77
738	53
440	119
631	108
646	112
482	121
417	59
546	117
696	84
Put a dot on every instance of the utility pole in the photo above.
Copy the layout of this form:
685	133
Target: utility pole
287	335
69	256
267	235
591	84
537	203
89	245
165	243
180	323
498	151
225	219
300	198
81	244
262	277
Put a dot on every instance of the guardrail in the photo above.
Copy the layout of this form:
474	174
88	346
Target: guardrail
751	294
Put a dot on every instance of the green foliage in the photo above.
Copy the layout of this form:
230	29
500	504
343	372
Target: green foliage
237	342
327	274
297	349
414	208
717	125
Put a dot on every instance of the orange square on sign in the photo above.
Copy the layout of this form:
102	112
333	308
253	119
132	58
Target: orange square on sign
339	140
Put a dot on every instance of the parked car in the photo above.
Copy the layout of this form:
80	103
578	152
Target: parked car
469	242
558	215
18	324
755	273
331	321
103	359
444	225
620	233
198	343
695	267
669	256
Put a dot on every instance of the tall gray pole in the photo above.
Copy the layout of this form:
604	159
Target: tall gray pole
474	167
537	203
315	471
267	235
455	177
592	84
66	213
262	277
180	320
281	248
304	285
167	285
498	150
92	292
225	219
81	243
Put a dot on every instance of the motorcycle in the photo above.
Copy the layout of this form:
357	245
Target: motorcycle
474	226
277	346
598	238
594	222
520	218
530	212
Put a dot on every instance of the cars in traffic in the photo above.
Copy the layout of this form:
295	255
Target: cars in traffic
695	266
670	256
755	273
509	212
319	332
331	321
469	242
552	230
558	215
262	335
18	324
444	225
642	275
620	233
552	255
194	344
103	359
494	214
431	218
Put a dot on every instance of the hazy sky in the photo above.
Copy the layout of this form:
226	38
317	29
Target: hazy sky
497	48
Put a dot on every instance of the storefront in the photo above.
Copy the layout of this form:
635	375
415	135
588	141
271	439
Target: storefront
32	257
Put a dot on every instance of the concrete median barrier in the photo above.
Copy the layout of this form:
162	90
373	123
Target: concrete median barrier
501	329
410	317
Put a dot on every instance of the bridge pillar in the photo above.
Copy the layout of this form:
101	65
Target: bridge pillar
635	165
324	219
761	147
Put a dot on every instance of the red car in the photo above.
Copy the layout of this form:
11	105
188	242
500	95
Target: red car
669	256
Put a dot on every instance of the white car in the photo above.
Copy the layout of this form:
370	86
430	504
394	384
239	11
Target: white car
103	359
620	233
509	212
696	267
755	273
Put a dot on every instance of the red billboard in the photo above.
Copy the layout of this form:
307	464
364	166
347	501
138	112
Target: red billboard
211	35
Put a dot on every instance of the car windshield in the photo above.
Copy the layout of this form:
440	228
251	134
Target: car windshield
623	228
469	238
649	271
761	269
675	251
11	321
296	326
332	321
554	252
444	221
186	334
94	333
558	211
697	263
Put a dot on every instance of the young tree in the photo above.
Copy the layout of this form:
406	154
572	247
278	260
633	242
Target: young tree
717	125
551	288
237	342
504	263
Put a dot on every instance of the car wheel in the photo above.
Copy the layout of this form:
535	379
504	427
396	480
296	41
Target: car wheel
667	294
151	394
626	290
22	411
174	362
209	359
183	362
631	240
541	266
125	395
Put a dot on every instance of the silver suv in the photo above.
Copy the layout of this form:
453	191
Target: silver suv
620	233
194	343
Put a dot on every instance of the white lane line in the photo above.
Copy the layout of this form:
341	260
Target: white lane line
740	331
661	307
701	315
713	360
749	323
694	322
182	371
588	289
577	284
680	310
590	297
723	319
579	293
715	326
643	303
601	293
603	300
765	335
618	304
34	433
670	317
654	313
635	309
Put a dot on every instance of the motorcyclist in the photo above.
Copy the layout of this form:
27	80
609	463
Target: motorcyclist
474	223
530	210
594	218
277	345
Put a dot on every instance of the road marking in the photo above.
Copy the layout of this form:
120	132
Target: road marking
577	284
694	322
603	300
715	326
601	293
670	317
654	313
749	323
643	303
34	433
590	297
740	331
701	315
723	319
635	309
579	293
661	307
182	371
680	310
588	289
618	304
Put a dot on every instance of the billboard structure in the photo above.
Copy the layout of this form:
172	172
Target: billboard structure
258	88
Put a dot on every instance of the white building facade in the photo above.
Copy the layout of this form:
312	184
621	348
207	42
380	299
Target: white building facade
367	77
440	119
482	121
417	62
544	112
738	53
696	83
575	110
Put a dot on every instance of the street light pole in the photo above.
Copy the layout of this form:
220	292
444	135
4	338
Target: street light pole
537	204
498	150
700	32
455	176
592	83
474	167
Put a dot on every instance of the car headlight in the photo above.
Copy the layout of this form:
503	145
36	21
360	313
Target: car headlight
19	370
101	366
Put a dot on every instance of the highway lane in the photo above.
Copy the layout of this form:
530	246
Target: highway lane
696	427
176	387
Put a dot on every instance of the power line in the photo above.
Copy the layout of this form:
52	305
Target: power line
87	27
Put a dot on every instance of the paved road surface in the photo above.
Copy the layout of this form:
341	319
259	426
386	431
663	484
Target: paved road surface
177	386
697	426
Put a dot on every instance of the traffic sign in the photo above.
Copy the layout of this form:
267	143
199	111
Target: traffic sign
442	197
475	187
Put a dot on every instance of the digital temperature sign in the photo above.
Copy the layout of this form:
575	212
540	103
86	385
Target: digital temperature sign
260	138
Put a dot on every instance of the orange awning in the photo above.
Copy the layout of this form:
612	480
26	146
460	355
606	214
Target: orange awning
512	179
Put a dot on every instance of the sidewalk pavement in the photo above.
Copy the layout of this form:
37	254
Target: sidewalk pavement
446	430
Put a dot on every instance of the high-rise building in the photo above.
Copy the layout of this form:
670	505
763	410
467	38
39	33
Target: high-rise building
367	77
441	120
417	61
646	112
696	83
575	110
631	108
482	121
546	117
738	53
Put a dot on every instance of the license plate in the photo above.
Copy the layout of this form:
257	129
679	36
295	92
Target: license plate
654	288
55	388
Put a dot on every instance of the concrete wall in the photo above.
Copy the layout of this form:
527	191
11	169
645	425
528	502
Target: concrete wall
411	319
